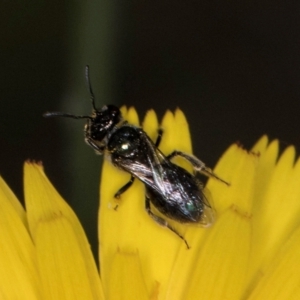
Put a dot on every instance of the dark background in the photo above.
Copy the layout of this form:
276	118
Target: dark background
233	67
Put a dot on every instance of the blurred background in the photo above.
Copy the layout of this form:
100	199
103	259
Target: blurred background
232	67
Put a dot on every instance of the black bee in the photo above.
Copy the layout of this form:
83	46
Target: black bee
175	192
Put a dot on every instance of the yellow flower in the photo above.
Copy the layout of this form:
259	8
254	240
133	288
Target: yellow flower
250	252
44	253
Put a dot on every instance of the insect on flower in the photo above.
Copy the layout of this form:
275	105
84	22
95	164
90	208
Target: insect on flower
175	192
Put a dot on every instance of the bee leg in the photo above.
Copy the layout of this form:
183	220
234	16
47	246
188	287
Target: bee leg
98	149
158	139
162	221
124	188
197	164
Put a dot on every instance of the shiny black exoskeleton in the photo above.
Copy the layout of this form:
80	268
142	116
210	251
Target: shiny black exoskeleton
175	192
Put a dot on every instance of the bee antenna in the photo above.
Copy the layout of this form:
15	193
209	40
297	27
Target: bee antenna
88	81
60	114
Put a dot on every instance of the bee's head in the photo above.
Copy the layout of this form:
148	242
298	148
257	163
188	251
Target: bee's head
102	122
99	125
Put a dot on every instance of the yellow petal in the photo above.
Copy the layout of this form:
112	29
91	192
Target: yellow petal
267	157
281	280
183	141
150	125
237	167
123	110
13	200
261	145
64	257
19	275
132	116
275	209
126	278
167	125
220	270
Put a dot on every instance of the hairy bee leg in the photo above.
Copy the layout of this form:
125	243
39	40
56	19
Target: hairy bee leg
159	136
124	188
197	164
162	221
